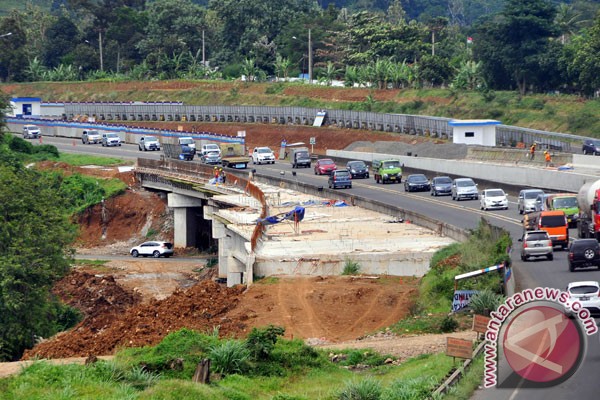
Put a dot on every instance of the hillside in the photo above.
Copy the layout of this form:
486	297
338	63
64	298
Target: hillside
552	112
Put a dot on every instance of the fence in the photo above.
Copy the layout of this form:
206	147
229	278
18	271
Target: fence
401	123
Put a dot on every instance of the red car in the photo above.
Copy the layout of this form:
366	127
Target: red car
324	166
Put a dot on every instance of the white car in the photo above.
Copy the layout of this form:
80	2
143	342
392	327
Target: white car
153	248
263	155
110	139
491	199
31	131
587	293
147	143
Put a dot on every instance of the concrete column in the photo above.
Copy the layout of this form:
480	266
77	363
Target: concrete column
184	218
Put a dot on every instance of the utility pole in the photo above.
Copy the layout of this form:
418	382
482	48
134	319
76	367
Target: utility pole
310	62
100	48
203	51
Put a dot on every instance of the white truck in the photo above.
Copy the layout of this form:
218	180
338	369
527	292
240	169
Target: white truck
187	141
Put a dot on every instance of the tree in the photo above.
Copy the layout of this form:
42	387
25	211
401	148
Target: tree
567	21
585	64
59	41
34	237
516	41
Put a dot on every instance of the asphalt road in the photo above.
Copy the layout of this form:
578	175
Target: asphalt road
464	214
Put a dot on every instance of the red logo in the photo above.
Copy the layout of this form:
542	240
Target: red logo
542	344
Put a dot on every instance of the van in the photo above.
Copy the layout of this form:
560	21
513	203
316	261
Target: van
555	223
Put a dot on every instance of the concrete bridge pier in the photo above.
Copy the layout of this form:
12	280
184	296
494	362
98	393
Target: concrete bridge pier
184	218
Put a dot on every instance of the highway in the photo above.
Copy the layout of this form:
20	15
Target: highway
464	214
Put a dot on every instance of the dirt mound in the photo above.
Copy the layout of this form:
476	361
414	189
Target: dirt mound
201	308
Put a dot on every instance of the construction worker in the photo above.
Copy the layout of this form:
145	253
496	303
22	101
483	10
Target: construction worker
532	151
222	174
216	171
548	158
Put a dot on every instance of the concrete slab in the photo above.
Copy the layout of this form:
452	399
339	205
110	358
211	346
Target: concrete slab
330	235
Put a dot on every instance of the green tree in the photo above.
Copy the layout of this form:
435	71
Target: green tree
567	20
585	64
35	234
516	41
59	41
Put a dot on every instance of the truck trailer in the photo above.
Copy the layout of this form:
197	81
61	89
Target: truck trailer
588	198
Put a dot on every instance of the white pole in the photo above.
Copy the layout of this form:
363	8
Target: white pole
310	70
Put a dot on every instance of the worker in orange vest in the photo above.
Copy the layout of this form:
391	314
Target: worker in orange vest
548	158
532	151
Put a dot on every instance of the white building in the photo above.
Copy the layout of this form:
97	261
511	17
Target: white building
25	107
474	131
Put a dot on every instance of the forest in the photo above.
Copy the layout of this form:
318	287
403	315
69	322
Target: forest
533	46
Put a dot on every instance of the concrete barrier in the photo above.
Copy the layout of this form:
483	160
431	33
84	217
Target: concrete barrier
515	174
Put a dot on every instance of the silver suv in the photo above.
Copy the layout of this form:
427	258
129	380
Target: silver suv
464	188
536	244
526	202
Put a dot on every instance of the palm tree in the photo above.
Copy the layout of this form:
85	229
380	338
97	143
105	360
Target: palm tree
567	20
250	69
282	66
330	73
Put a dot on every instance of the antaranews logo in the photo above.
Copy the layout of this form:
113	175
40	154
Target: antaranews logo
536	338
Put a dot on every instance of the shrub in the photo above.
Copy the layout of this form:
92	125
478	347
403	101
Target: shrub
484	302
230	357
351	267
365	389
260	342
448	324
410	389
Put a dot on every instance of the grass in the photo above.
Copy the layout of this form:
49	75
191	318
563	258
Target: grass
78	160
125	378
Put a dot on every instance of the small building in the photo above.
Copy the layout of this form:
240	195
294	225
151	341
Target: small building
474	131
25	107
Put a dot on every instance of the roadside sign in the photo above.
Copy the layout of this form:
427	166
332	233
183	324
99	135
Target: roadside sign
313	140
461	299
460	348
480	323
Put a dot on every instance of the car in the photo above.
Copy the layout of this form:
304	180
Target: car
110	139
31	132
591	146
441	186
263	155
536	244
587	293
90	136
153	248
584	253
340	178
493	199
207	148
148	143
358	169
416	183
540	202
211	157
526	200
464	188
324	166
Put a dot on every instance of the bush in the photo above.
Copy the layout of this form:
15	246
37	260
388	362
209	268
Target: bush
351	267
410	389
448	324
230	357
365	389
484	302
260	342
